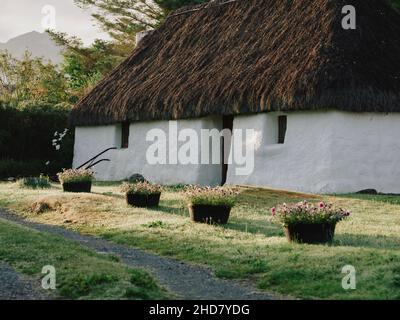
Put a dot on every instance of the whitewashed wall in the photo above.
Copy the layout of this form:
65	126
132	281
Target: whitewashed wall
89	141
325	152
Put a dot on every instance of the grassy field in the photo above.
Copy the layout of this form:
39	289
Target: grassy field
80	273
250	247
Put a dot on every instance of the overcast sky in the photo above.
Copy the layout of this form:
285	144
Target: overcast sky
21	16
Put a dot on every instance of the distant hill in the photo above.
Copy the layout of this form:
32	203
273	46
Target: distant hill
39	44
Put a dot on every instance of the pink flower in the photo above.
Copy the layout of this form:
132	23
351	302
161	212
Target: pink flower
273	211
322	205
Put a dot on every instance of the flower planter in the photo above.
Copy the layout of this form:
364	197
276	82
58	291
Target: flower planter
310	232
209	213
143	200
77	186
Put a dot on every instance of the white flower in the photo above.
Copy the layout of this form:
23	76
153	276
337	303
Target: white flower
58	147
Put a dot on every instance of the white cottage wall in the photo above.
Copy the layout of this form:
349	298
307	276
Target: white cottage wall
124	162
90	141
325	152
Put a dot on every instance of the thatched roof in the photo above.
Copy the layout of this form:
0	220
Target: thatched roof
251	56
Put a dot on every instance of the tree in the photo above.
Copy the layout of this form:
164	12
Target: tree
30	79
122	19
85	66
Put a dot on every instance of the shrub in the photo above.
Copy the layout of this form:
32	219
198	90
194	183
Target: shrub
142	279
305	212
211	196
75	175
78	285
396	4
143	286
26	135
41	182
140	188
12	168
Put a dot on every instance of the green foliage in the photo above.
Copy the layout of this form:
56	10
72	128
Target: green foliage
26	135
81	285
15	168
121	20
155	224
85	66
142	279
144	286
31	79
34	104
41	182
396	276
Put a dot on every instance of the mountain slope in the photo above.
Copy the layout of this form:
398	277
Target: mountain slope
39	44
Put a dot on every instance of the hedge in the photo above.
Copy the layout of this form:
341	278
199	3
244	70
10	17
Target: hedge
26	136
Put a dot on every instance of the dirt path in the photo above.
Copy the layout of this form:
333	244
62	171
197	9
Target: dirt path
14	286
184	280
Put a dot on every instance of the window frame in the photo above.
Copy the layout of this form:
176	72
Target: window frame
125	134
282	129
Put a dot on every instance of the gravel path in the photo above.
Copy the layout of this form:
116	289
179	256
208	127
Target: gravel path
14	286
184	280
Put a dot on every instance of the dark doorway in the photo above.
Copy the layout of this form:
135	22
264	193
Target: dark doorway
227	123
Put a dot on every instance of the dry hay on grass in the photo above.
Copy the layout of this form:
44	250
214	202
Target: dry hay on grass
97	210
71	208
43	205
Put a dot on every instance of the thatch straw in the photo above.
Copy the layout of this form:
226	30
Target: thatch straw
254	56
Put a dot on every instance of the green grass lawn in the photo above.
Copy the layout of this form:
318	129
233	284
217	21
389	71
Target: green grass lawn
80	273
250	247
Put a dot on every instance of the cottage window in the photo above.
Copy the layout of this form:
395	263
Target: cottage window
227	124
125	135
282	125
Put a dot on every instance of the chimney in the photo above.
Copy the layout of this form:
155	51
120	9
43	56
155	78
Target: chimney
140	35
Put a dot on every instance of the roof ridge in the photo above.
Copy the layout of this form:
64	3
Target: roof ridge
198	7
